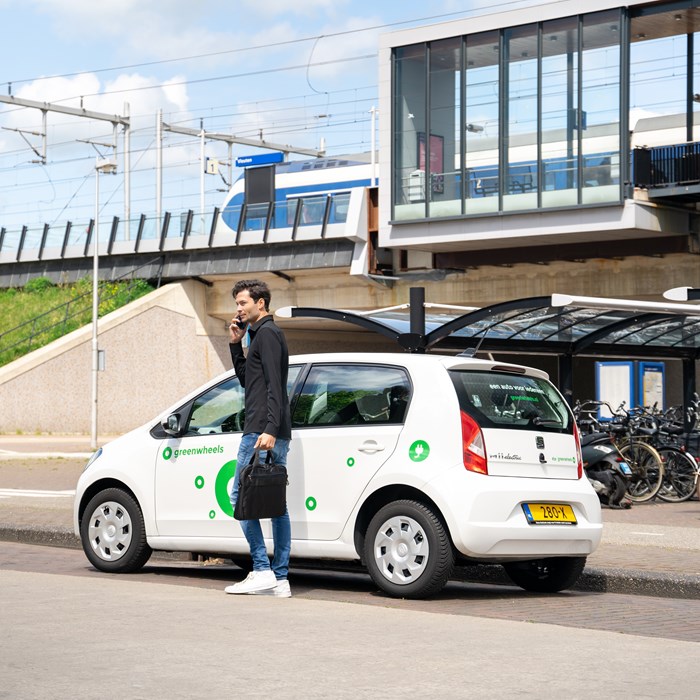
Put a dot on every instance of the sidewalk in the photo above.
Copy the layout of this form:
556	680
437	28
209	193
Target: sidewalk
651	549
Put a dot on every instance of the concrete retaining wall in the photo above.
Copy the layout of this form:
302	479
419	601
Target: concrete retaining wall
156	350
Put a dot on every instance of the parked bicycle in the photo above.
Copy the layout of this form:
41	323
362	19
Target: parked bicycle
632	433
681	469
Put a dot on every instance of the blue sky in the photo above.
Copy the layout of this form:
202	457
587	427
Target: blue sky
296	72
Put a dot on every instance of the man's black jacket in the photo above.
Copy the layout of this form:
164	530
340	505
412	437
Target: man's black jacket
263	374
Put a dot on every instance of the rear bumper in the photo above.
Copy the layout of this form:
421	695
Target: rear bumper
487	521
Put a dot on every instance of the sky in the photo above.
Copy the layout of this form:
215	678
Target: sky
297	73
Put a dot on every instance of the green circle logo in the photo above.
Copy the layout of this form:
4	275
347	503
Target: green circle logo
419	451
311	503
212	514
167	453
199	482
221	487
351	462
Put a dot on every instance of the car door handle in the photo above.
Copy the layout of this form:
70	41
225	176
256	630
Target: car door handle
370	447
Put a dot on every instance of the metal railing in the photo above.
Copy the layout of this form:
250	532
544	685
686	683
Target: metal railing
42	242
665	166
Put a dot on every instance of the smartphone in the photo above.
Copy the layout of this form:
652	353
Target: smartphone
240	324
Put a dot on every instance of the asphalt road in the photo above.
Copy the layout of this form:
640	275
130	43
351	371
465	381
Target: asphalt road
171	632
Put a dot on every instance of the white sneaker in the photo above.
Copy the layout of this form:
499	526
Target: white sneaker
281	590
255	581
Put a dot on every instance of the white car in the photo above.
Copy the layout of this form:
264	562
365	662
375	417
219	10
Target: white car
407	462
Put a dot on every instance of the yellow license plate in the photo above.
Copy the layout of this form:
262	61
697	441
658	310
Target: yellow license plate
549	514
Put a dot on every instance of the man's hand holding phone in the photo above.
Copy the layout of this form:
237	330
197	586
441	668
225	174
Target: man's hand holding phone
237	329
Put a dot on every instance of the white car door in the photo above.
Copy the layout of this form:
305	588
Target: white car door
194	473
346	424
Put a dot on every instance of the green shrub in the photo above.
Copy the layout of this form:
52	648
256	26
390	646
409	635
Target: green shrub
38	284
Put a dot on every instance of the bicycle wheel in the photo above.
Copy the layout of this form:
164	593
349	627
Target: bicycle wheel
680	475
647	470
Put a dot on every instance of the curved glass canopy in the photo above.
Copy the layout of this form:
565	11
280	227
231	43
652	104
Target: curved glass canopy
556	324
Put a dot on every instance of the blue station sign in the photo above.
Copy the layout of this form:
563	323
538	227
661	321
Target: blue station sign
259	159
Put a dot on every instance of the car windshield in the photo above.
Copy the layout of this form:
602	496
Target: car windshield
500	400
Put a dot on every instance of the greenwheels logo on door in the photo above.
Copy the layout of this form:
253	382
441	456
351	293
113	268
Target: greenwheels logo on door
221	490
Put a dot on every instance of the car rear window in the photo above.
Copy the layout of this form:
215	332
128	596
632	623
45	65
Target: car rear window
512	401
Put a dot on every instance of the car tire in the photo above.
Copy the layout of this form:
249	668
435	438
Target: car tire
113	533
407	550
546	575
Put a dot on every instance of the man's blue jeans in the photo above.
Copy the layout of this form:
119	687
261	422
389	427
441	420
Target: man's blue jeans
281	529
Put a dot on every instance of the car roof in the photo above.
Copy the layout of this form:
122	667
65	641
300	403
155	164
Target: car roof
416	362
419	361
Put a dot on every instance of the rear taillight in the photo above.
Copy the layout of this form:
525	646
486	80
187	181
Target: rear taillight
579	455
473	445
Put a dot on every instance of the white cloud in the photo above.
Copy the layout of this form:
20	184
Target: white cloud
144	94
298	7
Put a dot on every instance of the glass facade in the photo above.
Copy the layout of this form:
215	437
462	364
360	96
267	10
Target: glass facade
542	115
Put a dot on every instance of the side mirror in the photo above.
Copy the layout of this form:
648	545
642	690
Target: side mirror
171	425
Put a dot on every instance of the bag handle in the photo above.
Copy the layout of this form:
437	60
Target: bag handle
255	458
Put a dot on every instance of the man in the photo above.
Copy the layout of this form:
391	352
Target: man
263	374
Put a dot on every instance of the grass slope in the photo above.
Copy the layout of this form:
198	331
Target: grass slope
41	311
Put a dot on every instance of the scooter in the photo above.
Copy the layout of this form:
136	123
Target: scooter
606	470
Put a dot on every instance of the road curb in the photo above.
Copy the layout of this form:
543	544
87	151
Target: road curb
37	535
595	580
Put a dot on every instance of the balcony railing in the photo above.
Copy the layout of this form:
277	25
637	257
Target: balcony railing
666	166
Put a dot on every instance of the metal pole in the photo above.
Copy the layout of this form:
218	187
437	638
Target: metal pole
95	306
417	310
202	173
127	176
159	167
373	170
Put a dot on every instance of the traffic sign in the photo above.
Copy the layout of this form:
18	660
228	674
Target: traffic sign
260	159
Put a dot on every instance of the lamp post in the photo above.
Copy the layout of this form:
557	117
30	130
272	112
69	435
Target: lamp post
102	165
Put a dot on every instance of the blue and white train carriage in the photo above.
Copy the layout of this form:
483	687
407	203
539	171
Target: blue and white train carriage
307	193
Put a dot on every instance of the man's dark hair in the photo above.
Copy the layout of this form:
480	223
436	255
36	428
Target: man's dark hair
256	288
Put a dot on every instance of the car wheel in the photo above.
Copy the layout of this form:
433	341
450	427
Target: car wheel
407	550
113	533
546	575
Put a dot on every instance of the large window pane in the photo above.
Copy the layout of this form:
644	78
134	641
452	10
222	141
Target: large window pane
409	121
658	69
559	109
520	183
439	153
481	128
600	108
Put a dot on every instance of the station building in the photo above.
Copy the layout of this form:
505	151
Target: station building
546	135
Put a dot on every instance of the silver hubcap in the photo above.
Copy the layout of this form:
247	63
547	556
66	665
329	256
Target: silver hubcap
401	550
110	531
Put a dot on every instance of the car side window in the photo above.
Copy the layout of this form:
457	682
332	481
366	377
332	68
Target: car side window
292	377
352	394
222	408
219	410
